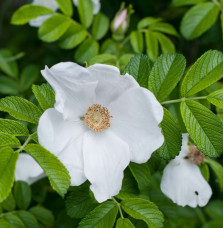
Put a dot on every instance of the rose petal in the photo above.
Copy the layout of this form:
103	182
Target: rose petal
110	83
105	158
135	118
72	158
184	184
28	170
54	133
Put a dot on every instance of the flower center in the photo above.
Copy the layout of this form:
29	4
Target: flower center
195	156
97	118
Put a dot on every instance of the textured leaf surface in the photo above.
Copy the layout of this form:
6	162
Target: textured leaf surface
172	135
143	210
54	169
79	202
204	128
7	169
102	216
8	140
28	12
22	193
13	127
54	27
28	219
124	223
216	98
205	71
43	215
45	96
20	109
166	73
199	19
139	67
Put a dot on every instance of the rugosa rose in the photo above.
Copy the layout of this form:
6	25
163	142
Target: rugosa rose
100	122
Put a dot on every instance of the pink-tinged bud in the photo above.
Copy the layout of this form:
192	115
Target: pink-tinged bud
120	19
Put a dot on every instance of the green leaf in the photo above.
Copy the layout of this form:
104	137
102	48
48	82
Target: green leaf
13	127
124	223
20	109
143	210
102	216
186	2
43	215
204	127
54	27
45	96
136	39
8	140
8	67
142	175
79	202
172	135
14	220
222	24
28	76
164	28
214	209
166	73
74	35
7	169
213	224
139	67
205	71
216	98
166	44
8	86
125	59
205	171
147	21
9	203
86	51
218	170
28	12
5	224
198	20
22	193
152	45
85	10
100	26
66	7
103	58
54	169
28	219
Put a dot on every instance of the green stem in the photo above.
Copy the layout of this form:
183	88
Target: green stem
25	143
7	213
125	40
13	58
200	215
218	4
183	99
119	207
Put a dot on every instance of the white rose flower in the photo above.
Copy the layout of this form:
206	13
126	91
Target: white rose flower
101	121
96	5
51	4
182	180
28	170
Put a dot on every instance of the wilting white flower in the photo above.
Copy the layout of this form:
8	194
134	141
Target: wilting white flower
51	4
101	121
96	5
182	180
27	169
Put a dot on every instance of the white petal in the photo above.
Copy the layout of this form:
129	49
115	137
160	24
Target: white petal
184	148
74	88
54	133
39	20
96	5
110	83
105	158
28	170
72	158
135	118
184	184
